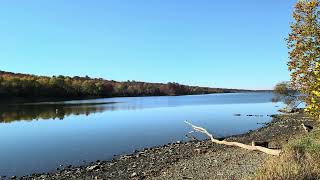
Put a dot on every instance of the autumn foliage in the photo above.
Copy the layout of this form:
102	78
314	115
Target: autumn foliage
314	100
31	86
304	45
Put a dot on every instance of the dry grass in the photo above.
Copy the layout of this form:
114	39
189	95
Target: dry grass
300	160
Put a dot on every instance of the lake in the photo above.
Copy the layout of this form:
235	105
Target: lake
39	137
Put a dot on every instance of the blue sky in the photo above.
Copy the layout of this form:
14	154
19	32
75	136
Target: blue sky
234	44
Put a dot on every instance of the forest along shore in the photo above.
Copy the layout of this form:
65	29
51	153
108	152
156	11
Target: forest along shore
194	159
21	88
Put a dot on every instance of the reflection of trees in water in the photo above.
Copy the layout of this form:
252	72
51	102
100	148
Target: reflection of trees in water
43	111
48	111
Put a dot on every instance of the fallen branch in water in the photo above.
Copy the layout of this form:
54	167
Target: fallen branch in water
275	152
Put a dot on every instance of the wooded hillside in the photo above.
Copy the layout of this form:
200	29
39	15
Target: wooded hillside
32	86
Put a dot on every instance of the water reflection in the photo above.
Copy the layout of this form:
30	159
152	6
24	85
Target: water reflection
61	110
45	111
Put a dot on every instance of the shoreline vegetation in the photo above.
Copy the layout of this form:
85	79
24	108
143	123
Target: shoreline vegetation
197	159
21	88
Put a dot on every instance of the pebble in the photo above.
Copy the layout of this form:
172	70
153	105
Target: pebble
200	151
43	176
92	168
185	177
134	174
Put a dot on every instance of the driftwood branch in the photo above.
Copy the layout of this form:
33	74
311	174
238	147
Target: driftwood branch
275	152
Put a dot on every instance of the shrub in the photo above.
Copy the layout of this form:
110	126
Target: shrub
300	160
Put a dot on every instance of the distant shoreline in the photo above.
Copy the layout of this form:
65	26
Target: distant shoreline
21	100
22	88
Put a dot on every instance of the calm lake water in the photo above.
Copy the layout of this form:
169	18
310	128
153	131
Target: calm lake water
40	137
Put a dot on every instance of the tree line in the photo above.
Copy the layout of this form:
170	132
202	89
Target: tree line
32	86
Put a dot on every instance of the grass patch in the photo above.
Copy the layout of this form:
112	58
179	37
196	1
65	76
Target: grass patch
300	160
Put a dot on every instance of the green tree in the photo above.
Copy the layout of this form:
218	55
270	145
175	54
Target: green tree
88	87
304	51
285	93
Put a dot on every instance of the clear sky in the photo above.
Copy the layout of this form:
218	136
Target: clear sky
234	44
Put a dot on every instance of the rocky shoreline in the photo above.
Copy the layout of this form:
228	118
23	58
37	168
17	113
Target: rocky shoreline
191	160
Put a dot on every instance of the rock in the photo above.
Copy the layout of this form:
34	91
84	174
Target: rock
125	157
134	175
198	144
237	114
43	176
186	177
92	168
178	142
13	177
200	151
